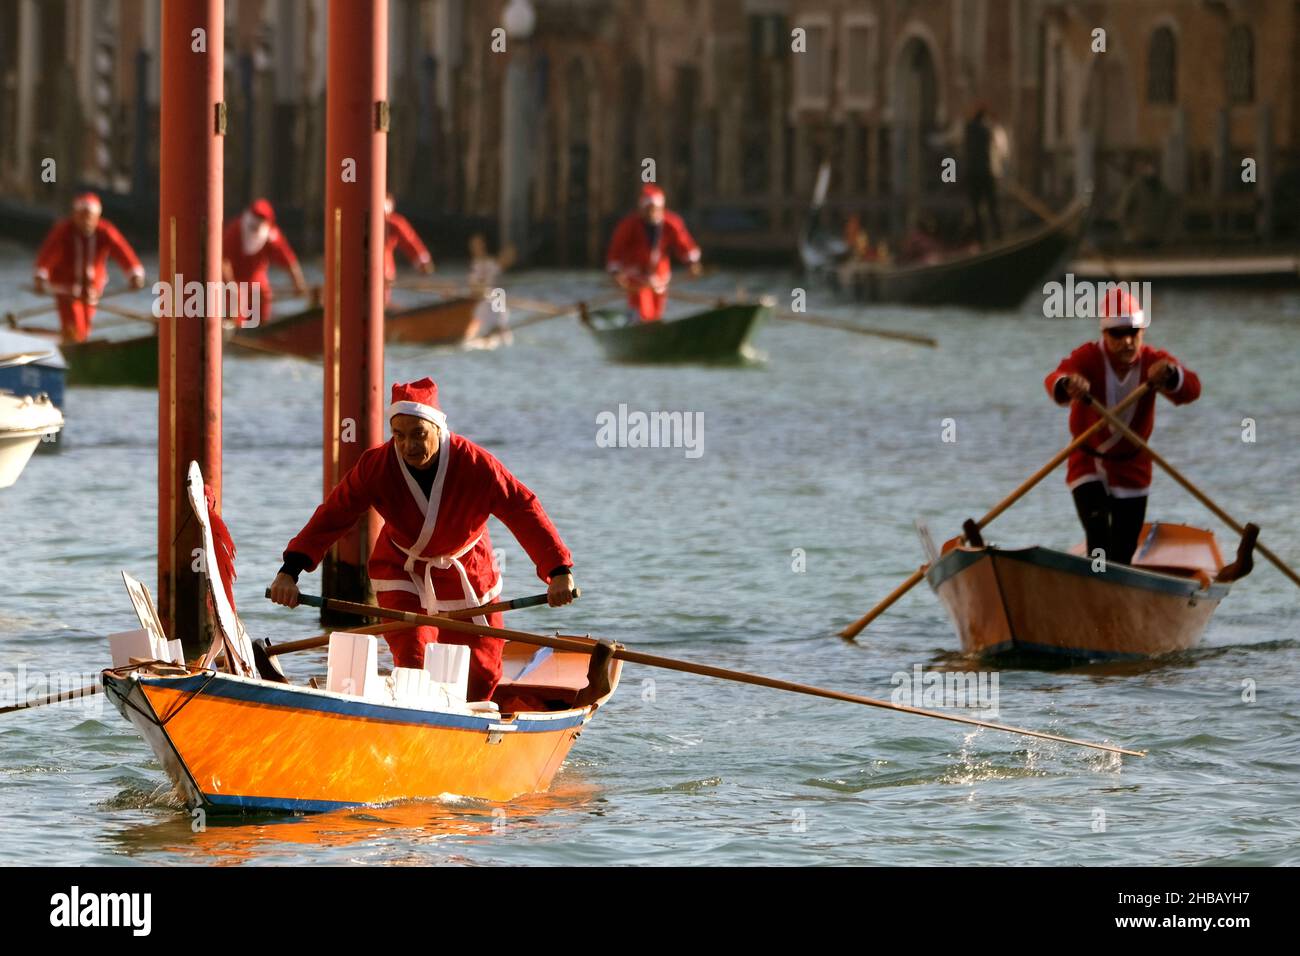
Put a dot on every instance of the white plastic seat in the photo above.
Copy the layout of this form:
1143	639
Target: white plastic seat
354	666
448	665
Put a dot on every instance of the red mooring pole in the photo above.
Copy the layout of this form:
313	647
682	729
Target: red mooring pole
189	349
356	131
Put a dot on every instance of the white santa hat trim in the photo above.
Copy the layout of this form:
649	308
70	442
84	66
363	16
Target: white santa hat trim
88	203
419	410
1132	320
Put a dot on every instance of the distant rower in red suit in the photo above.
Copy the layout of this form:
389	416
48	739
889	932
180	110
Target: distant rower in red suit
1109	476
435	491
641	250
400	234
73	260
249	244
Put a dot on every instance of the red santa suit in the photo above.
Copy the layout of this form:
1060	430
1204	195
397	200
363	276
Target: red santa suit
1108	457
400	234
250	246
643	252
77	265
434	554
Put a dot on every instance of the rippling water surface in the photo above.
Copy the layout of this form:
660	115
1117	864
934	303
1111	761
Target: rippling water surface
831	445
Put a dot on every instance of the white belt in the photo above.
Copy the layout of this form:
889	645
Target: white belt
424	583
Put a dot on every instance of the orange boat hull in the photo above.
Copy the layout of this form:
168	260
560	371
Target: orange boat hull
231	743
441	323
1040	601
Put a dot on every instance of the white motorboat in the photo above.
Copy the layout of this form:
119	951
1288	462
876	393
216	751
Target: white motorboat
25	421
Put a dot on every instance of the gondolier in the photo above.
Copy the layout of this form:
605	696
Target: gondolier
1109	477
74	260
400	234
250	243
640	252
435	491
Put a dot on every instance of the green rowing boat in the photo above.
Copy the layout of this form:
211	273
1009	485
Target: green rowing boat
719	334
131	362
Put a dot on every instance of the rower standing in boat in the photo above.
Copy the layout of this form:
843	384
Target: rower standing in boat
491	313
400	234
74	259
640	252
249	244
435	491
1109	477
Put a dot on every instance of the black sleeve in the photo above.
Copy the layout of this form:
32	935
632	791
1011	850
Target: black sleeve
1059	392
295	563
560	569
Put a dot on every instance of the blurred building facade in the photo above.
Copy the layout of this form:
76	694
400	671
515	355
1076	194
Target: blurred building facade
736	102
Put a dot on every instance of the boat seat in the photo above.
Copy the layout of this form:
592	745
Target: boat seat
354	666
448	666
142	645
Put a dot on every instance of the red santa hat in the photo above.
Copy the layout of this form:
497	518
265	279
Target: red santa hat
1119	310
261	208
651	195
87	202
419	399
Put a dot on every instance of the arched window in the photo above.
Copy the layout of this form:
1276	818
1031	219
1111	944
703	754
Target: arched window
1162	63
1241	64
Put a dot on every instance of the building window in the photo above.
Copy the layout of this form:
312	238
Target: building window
1162	63
812	67
858	62
1241	64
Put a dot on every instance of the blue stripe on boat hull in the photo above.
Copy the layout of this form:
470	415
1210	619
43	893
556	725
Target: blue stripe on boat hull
274	696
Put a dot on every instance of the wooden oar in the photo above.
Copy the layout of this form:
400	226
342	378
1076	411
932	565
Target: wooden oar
586	645
786	315
53	699
546	311
465	615
55	291
856	627
1029	200
1108	416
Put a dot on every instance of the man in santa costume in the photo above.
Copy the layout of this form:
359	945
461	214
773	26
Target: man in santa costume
640	252
73	263
435	491
400	234
249	244
1109	476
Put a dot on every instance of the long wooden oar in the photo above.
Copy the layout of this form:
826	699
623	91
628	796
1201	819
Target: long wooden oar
786	315
856	627
54	292
586	645
463	615
1118	425
546	312
53	699
1028	200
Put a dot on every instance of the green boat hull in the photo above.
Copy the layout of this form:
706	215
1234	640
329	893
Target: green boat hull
717	336
130	362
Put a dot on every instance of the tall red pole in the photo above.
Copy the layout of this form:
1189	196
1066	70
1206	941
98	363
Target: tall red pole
189	349
356	127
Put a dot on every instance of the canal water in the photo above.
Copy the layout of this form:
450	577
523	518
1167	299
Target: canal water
793	515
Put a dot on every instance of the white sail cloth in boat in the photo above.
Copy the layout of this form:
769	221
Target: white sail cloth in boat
230	635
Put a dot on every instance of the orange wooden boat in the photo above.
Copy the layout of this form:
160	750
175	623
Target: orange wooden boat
445	322
241	743
1040	601
449	322
232	741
